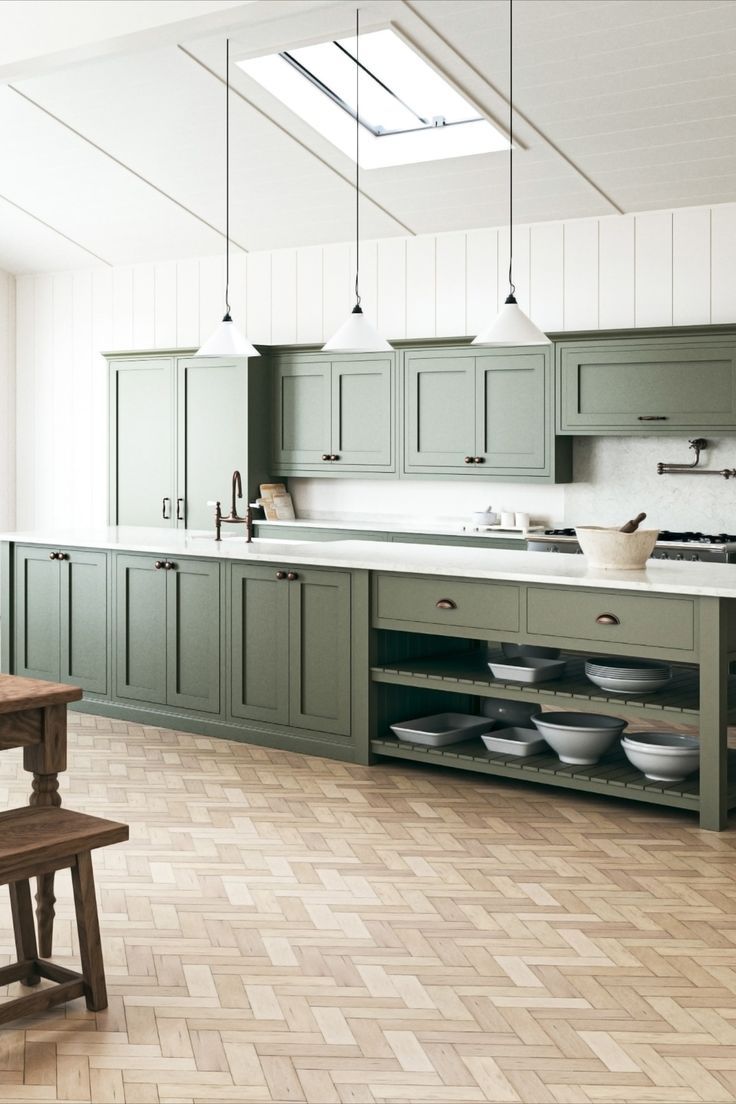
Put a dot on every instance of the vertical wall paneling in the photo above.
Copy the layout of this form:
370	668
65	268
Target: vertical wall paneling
691	267
238	288
723	246
44	368
450	281
654	269
25	358
101	340
522	275
420	287
546	275
7	399
309	295
481	280
580	283
144	306
211	294
82	411
164	305
368	277
283	297
616	272
60	426
187	304
337	286
122	307
391	291
259	298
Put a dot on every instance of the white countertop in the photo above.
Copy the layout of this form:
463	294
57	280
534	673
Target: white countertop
660	576
433	528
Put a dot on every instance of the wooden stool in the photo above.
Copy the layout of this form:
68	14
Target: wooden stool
36	841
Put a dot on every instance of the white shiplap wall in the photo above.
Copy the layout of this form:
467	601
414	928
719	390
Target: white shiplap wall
7	400
654	269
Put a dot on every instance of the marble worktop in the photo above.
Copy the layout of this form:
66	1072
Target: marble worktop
659	576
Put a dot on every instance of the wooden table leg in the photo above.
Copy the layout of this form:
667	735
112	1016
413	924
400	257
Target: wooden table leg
45	760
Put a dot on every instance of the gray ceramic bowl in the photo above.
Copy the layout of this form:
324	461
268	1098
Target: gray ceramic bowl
662	756
512	714
579	738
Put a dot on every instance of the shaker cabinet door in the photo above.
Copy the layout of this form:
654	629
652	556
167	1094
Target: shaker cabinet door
512	407
193	635
83	620
142	442
440	413
302	414
362	414
36	613
319	645
140	629
259	644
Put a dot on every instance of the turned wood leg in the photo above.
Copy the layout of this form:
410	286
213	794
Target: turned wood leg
45	792
21	908
88	928
45	759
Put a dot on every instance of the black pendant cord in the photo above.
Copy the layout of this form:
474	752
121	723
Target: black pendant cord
512	286
227	179
357	156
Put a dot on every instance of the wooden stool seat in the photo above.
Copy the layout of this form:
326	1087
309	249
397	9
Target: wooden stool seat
38	840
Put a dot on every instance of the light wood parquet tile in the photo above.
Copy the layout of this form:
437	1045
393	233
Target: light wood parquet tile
285	928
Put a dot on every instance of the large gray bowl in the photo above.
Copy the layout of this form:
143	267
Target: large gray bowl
579	738
662	756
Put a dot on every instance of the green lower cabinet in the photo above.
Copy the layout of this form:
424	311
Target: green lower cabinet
259	645
297	532
440	539
291	648
168	632
61	624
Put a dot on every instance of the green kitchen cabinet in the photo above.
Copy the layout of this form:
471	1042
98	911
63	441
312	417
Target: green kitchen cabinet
485	413
647	385
291	647
167	632
278	531
334	415
61	616
179	427
460	541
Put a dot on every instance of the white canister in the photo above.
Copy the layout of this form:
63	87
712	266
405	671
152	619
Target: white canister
522	521
507	519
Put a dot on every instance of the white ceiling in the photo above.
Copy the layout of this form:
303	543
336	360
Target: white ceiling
623	105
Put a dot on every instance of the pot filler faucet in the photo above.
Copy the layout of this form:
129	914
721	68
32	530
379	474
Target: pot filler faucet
233	518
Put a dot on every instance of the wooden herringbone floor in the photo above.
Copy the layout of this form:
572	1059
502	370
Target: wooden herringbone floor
285	928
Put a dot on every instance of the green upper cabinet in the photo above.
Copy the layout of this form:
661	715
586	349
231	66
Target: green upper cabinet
486	413
334	415
61	616
211	438
647	385
167	632
142	435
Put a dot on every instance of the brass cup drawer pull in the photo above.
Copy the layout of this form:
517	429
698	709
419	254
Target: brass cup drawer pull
607	619
446	603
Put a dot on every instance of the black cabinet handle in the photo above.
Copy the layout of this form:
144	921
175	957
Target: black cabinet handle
179	514
166	506
652	417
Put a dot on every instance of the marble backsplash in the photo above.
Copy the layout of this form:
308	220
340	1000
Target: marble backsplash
614	478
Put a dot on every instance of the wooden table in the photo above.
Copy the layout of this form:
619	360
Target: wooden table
33	716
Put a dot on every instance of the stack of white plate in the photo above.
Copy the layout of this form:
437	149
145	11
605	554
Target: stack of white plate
628	676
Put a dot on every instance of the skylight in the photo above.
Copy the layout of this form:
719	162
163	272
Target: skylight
408	112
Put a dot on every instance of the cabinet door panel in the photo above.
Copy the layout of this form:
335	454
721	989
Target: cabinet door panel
193	636
440	412
36	613
319	644
142	442
303	430
511	406
83	620
140	633
648	387
212	427
362	414
260	645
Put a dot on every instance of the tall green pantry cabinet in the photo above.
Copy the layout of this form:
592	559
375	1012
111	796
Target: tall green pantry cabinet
179	426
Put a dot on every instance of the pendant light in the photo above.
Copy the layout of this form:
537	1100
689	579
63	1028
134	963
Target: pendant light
227	340
511	326
357	334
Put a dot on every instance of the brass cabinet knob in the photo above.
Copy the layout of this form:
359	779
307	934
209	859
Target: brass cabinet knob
292	575
159	564
326	456
478	460
169	565
280	574
468	459
446	603
61	556
52	555
334	457
607	619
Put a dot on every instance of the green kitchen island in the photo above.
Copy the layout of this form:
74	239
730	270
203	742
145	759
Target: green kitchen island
321	647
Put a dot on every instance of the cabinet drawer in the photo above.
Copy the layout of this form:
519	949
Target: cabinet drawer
489	607
637	619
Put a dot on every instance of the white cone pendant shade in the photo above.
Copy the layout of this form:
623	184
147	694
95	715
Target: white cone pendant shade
227	340
511	327
357	335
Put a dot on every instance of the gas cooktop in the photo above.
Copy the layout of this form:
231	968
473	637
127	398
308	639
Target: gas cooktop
672	544
666	536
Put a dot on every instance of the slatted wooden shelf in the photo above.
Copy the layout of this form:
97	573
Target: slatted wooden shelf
613	775
468	673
